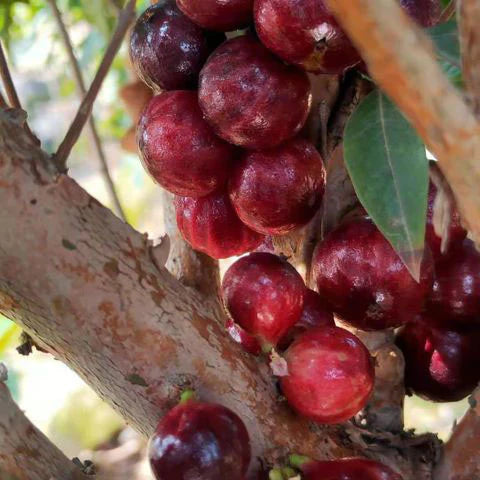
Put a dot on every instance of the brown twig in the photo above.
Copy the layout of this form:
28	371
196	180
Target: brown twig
7	80
95	139
468	21
3	102
447	12
124	20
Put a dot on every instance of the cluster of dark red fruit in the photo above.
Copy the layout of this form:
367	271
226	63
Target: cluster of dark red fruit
224	134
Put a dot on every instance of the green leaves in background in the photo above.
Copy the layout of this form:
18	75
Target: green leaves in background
388	166
447	44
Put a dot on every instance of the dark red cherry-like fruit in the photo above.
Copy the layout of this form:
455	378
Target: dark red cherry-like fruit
456	233
264	295
357	271
277	190
316	313
210	225
248	342
198	440
179	149
425	12
167	49
440	364
330	375
348	469
455	298
222	15
305	33
250	98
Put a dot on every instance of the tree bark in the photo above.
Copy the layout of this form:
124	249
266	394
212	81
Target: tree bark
83	284
25	452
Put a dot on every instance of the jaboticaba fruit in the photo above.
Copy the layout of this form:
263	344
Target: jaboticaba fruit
250	97
275	191
210	225
357	271
179	149
330	375
167	49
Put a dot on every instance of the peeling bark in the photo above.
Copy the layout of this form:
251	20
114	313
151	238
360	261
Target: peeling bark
25	452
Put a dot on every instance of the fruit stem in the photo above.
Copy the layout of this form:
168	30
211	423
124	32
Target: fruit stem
267	347
186	396
289	472
298	461
275	474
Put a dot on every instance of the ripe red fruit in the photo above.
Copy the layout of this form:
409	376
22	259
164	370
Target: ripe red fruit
348	469
358	272
304	33
440	364
179	149
456	232
223	15
250	98
248	342
167	49
330	375
455	297
200	440
210	225
315	313
264	294
278	190
425	12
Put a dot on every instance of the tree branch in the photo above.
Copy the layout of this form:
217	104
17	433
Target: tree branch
27	453
401	59
3	103
461	460
468	21
124	20
84	285
448	12
94	137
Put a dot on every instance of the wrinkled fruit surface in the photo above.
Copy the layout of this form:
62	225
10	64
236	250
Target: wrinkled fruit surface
179	149
222	15
440	364
315	313
210	225
358	272
330	375
264	295
456	232
303	32
167	49
348	469
200	440
278	190
250	98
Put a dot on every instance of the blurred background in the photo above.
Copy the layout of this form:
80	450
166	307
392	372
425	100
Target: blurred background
52	396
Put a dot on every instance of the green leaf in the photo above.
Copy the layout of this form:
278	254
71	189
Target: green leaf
445	38
388	166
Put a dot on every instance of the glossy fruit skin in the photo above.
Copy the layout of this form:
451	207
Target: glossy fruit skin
278	190
248	342
455	297
441	364
210	225
304	33
348	469
316	313
250	98
456	232
197	440
167	49
357	271
425	12
264	295
179	149
330	375
222	15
